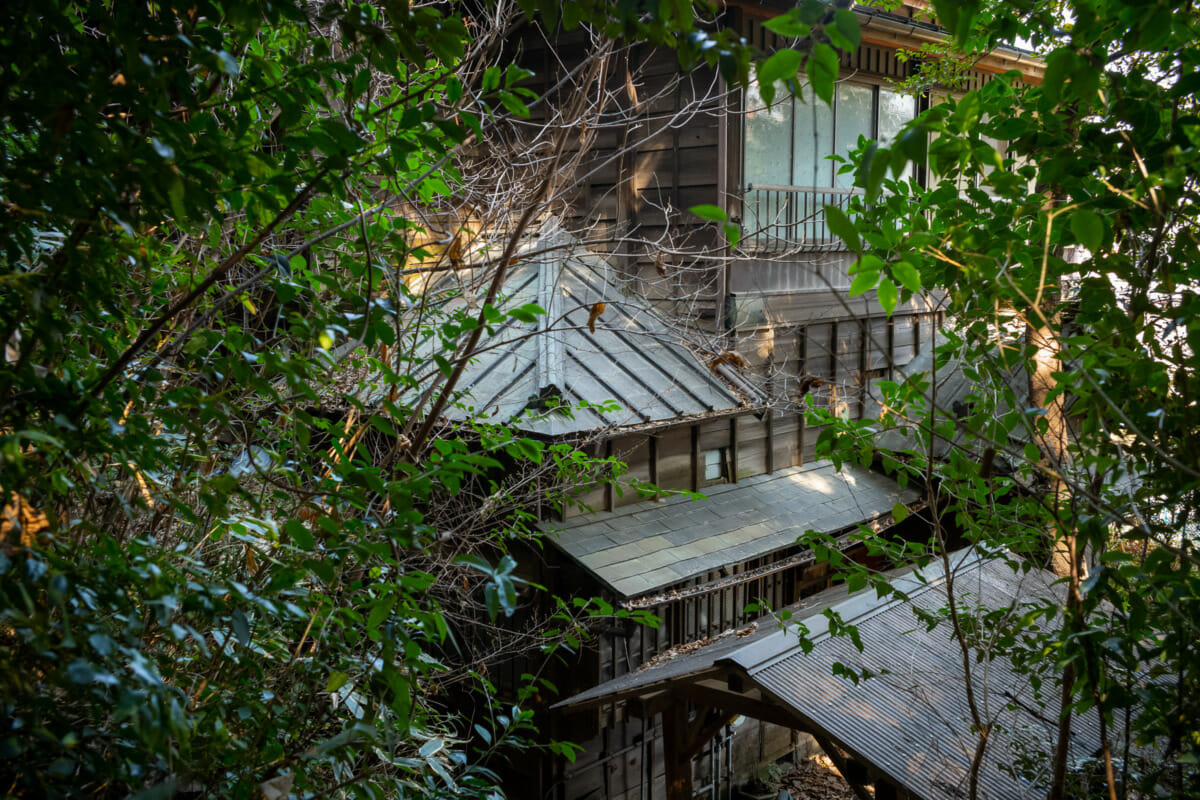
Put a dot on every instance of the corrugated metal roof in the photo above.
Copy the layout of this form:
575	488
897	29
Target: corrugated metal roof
632	370
910	720
645	547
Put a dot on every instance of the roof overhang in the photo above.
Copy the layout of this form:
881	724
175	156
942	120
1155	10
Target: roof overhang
647	547
908	722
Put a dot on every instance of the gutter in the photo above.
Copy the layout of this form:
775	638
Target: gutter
894	31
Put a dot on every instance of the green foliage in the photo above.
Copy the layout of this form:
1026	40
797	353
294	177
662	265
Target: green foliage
222	565
1060	222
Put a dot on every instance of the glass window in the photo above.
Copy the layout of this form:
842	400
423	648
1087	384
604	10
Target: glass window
790	142
895	109
768	139
714	464
855	111
814	142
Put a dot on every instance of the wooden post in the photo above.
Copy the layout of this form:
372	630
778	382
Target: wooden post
678	764
696	458
609	498
733	449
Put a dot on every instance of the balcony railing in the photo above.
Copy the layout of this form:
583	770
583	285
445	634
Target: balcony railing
778	218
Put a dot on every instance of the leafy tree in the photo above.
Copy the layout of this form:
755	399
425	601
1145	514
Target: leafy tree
223	569
218	575
1060	221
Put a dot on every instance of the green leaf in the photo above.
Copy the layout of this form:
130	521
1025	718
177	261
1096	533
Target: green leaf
863	282
300	535
709	212
1088	228
229	65
899	513
788	24
380	611
733	233
241	627
165	151
844	33
336	681
780	66
888	295
822	69
841	226
907	274
879	162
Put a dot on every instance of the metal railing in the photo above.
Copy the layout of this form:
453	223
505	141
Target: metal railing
778	217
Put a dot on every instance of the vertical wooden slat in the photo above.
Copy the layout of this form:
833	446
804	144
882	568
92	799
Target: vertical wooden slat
891	349
695	458
653	459
609	498
733	449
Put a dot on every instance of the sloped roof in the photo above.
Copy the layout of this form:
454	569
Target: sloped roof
910	719
632	369
645	547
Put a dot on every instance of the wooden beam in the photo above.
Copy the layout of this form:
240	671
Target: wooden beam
678	764
712	720
739	704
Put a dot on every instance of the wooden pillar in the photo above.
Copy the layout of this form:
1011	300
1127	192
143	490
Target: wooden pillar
678	763
609	498
733	449
652	446
696	466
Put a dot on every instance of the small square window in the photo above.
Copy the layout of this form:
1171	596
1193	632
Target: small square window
714	464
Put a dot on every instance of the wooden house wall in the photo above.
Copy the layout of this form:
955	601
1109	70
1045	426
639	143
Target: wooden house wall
823	364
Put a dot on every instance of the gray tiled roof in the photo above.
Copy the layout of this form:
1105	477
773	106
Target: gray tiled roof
648	546
632	359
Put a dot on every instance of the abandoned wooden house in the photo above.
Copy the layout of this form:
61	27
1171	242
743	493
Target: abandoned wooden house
629	276
626	274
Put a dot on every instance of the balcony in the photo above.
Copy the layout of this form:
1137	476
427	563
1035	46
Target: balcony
778	218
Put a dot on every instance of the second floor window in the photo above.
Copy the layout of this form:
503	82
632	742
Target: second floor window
789	143
787	171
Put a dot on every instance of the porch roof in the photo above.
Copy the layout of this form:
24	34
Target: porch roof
648	546
908	722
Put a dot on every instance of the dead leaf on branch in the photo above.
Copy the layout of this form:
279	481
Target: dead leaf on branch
594	315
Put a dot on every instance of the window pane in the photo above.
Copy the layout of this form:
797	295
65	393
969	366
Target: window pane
895	109
814	139
768	138
854	119
768	142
